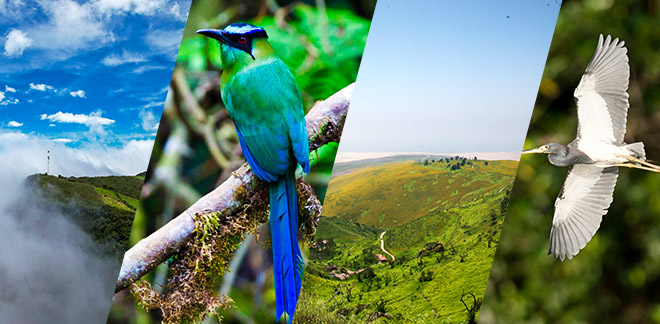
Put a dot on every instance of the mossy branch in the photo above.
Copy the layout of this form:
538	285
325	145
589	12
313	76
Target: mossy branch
325	123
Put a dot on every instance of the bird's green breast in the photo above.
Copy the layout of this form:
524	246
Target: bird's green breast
264	91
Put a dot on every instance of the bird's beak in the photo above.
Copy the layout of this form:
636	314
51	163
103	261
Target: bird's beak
540	149
215	34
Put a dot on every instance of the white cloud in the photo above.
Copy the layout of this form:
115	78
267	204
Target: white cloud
74	25
22	155
10	8
65	27
8	101
51	125
154	104
71	26
143	7
146	68
8	88
94	120
131	158
176	12
125	57
60	92
62	140
18	152
149	122
14	124
40	87
79	93
166	41
16	42
55	241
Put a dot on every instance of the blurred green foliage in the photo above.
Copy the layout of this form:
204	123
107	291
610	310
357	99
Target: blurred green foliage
616	277
197	149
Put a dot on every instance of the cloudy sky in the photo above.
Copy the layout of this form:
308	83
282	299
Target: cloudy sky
86	80
449	76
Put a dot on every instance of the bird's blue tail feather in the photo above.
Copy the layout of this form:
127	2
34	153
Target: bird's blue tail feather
287	258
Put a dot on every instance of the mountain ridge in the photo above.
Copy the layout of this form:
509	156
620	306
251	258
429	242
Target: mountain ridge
103	207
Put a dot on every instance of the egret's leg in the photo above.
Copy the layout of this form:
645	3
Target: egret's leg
635	166
636	160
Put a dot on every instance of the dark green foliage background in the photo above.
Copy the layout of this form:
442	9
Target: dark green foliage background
616	278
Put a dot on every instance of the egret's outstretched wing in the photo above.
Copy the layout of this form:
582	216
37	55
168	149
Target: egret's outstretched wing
602	100
584	199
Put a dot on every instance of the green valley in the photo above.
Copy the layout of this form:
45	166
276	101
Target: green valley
440	219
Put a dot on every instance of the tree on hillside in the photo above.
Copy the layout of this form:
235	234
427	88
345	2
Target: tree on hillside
425	276
504	204
472	309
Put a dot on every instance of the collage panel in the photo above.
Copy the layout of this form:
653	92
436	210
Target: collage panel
580	244
82	84
419	190
246	73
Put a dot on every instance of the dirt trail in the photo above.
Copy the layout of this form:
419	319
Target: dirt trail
382	246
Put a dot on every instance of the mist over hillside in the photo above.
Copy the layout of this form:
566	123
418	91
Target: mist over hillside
61	240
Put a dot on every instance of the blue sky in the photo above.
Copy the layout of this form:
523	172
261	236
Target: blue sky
86	80
449	76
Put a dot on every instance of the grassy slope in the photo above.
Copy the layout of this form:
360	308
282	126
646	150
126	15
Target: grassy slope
102	206
396	193
345	167
419	205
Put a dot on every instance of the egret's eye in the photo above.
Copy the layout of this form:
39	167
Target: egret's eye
242	40
547	147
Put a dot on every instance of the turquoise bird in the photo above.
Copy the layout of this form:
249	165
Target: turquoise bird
263	99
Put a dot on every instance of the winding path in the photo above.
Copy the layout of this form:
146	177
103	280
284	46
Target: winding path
382	246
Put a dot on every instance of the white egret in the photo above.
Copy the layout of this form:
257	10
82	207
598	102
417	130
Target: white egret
597	152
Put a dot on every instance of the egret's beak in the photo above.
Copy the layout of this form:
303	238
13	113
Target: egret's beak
215	34
540	149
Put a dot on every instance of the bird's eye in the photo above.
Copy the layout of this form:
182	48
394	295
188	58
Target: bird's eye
242	40
547	147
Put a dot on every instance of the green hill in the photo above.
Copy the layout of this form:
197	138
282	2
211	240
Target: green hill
397	193
101	206
340	168
441	224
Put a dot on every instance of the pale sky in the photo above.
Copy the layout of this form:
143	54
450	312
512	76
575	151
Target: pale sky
449	76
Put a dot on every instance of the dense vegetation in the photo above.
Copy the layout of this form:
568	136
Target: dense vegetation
441	225
616	277
102	206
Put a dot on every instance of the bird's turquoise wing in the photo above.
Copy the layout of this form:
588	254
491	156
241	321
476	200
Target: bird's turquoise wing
299	141
270	123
